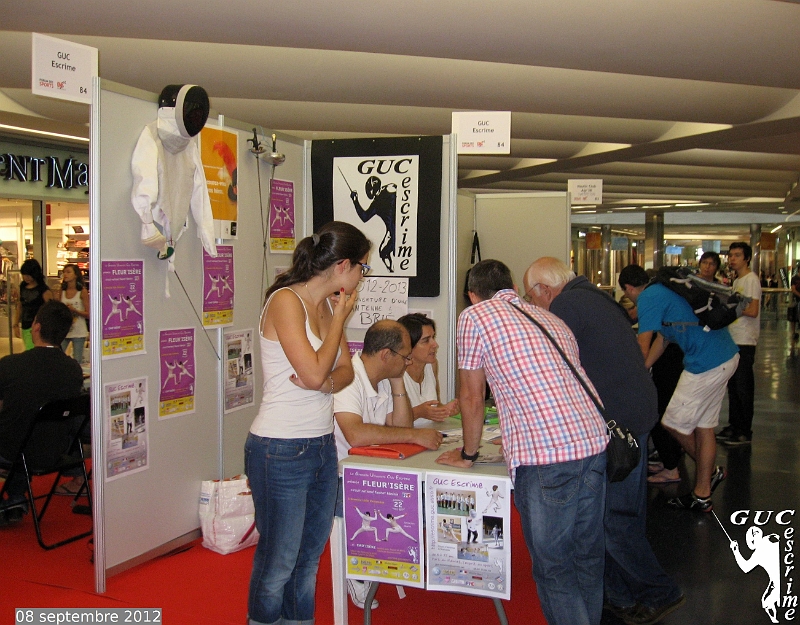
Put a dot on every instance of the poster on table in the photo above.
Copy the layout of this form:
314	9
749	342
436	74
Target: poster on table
218	287
383	525
176	360
127	434
469	534
239	379
391	190
218	151
281	216
123	307
379	298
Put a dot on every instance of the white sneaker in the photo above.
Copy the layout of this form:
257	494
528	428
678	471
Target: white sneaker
358	593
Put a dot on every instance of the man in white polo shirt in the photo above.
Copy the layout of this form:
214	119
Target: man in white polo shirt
374	409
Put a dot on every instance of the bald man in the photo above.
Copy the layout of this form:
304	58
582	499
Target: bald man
636	588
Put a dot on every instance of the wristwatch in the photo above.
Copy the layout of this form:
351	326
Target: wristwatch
466	456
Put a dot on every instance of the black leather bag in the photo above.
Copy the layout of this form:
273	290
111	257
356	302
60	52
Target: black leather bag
622	454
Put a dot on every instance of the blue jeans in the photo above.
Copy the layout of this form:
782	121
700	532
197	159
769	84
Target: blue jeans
561	508
294	492
633	573
77	347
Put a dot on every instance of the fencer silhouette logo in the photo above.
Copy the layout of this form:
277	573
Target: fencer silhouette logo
773	552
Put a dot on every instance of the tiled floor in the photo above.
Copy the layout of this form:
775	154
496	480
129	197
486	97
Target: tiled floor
762	477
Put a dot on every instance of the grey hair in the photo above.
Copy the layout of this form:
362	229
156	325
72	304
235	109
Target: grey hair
550	271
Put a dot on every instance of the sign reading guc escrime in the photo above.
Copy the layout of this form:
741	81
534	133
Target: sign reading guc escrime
487	132
62	69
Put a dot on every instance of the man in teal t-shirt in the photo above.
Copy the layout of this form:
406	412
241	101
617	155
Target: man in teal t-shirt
710	359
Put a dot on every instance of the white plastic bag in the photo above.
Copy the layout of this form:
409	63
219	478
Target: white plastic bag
227	515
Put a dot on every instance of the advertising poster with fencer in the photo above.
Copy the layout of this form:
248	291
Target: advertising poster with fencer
391	190
218	287
281	216
383	525
176	359
469	534
239	378
127	434
123	307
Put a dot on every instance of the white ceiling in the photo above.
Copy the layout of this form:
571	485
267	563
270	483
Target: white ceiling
666	101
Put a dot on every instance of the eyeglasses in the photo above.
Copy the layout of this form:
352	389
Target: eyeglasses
365	269
408	358
527	297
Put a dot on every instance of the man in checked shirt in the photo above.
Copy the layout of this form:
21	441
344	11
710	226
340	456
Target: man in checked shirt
554	439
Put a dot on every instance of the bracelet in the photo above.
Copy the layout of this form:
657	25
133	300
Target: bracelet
469	457
398	394
330	377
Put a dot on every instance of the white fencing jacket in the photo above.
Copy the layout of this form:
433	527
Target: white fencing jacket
168	180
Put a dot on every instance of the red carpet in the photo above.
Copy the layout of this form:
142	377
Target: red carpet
197	586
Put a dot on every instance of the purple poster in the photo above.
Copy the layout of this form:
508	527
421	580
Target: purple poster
383	525
218	287
281	216
122	283
176	358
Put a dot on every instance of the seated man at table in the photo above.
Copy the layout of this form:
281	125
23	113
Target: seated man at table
374	409
28	381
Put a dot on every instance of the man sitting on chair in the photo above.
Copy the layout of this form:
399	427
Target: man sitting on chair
28	381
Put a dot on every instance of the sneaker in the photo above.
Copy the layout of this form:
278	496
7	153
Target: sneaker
358	593
690	501
645	615
737	441
619	611
716	478
725	433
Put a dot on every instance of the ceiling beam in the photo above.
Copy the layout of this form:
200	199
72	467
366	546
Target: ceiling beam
708	140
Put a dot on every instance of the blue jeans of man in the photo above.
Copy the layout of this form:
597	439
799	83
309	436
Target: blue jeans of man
741	393
294	492
561	507
633	573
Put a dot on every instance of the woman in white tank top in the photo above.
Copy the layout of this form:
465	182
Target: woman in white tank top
421	376
290	453
76	297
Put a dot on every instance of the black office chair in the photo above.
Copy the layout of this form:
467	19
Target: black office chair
52	445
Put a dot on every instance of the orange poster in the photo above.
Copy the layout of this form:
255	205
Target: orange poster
218	150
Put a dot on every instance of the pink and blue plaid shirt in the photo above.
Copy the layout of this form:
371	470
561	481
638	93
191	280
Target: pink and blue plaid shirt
545	415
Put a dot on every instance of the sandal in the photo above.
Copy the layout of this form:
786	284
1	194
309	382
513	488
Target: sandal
663	477
690	501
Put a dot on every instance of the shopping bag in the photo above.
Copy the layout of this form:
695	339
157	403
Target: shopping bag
227	515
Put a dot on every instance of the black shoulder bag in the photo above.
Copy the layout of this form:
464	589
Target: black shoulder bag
622	454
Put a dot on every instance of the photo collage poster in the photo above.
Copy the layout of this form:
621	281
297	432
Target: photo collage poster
125	412
239	378
383	525
469	534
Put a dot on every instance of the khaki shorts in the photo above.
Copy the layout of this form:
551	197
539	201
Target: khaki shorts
698	398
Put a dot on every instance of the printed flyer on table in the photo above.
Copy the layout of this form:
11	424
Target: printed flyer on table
383	523
469	534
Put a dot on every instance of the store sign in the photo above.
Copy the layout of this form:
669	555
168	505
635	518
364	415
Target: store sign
67	174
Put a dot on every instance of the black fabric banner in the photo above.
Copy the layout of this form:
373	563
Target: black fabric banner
390	189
